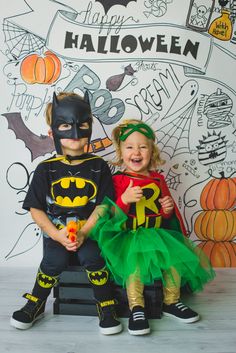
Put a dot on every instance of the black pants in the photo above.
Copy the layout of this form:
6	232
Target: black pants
56	259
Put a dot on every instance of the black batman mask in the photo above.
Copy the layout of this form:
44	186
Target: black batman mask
74	111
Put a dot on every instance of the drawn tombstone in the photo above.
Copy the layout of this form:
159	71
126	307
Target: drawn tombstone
199	14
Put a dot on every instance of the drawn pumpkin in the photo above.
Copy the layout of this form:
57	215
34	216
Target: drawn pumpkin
217	225
219	194
220	254
38	69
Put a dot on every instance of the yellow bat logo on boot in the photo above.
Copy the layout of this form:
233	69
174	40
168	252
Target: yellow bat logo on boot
46	281
98	278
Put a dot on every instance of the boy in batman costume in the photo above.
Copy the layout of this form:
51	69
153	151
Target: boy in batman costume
67	187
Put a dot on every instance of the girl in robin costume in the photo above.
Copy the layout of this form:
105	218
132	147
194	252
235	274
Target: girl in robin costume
142	236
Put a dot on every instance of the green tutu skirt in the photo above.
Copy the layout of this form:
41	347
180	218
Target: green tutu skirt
149	253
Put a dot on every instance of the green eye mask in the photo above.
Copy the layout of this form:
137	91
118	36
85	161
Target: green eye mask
142	128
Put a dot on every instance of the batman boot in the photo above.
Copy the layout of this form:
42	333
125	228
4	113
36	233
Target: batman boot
26	316
108	323
101	285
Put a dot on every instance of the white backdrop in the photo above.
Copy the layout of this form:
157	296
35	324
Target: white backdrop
172	66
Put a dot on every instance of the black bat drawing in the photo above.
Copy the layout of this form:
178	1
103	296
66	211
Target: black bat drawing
107	4
37	145
223	2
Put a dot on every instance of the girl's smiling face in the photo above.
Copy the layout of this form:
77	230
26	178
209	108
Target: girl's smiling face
136	152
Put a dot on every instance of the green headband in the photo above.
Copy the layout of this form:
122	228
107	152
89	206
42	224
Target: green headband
142	128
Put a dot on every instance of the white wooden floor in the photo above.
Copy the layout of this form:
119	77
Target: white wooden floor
215	333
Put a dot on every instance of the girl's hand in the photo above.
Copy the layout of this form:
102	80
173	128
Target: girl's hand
132	194
167	204
62	238
81	237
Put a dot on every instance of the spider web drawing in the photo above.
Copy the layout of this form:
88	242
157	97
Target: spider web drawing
174	136
173	180
20	41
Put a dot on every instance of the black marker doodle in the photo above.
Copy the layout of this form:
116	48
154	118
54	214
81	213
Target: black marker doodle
107	4
20	41
212	149
157	8
191	169
184	99
25	241
19	184
217	108
190	203
174	136
199	14
173	180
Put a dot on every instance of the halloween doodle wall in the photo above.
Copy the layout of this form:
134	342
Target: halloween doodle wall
171	66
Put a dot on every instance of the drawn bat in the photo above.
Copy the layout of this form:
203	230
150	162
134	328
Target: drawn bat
223	3
37	145
107	4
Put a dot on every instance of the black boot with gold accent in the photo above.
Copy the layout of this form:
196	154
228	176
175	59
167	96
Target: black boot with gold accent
108	322
26	316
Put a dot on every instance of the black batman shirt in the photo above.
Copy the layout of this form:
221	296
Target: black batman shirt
64	190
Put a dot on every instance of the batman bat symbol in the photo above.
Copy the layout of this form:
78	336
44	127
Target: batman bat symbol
98	278
37	145
107	4
46	281
73	191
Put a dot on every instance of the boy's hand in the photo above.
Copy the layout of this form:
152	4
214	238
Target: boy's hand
132	194
167	204
62	238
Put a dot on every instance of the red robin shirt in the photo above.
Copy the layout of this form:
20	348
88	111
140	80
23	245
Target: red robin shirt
147	212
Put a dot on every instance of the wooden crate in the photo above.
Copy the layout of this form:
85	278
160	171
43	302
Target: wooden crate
74	296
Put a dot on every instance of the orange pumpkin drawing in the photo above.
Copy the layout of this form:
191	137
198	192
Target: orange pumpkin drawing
219	194
37	69
221	254
217	225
